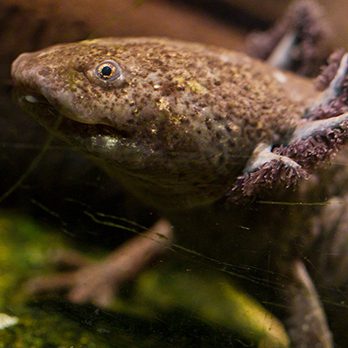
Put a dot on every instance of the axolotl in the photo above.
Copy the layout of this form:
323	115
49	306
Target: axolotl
208	137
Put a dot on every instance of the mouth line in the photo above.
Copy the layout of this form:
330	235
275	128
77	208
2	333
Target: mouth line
90	130
47	114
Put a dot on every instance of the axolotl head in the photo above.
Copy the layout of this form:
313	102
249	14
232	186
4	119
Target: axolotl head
174	122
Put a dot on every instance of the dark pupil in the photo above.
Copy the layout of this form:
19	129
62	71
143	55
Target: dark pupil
106	71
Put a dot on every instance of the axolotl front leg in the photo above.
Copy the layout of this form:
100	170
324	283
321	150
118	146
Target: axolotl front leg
322	131
295	44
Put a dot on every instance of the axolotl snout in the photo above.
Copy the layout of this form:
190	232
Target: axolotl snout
186	127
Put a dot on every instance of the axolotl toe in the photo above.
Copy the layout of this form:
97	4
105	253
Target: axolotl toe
195	131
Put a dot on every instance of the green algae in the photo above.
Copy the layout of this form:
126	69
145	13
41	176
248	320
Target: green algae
166	307
23	252
215	301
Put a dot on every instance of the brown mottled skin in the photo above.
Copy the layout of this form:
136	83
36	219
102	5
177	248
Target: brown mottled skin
177	129
194	113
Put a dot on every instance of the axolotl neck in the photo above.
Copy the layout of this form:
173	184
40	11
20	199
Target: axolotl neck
174	122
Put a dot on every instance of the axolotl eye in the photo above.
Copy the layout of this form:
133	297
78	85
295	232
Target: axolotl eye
109	71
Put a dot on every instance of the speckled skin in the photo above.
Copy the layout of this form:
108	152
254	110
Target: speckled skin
193	112
177	130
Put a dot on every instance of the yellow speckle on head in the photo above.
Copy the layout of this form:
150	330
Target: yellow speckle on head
196	87
260	125
163	105
180	81
190	85
72	80
176	119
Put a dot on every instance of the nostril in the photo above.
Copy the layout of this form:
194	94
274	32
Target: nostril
31	99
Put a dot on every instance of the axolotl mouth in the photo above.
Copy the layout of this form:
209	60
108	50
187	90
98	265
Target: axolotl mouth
52	117
101	141
48	104
54	105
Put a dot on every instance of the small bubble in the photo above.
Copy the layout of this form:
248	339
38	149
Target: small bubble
7	321
31	99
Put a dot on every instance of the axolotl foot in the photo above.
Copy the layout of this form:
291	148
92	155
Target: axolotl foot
97	282
318	136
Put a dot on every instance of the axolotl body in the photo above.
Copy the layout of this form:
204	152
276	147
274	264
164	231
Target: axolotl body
205	135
